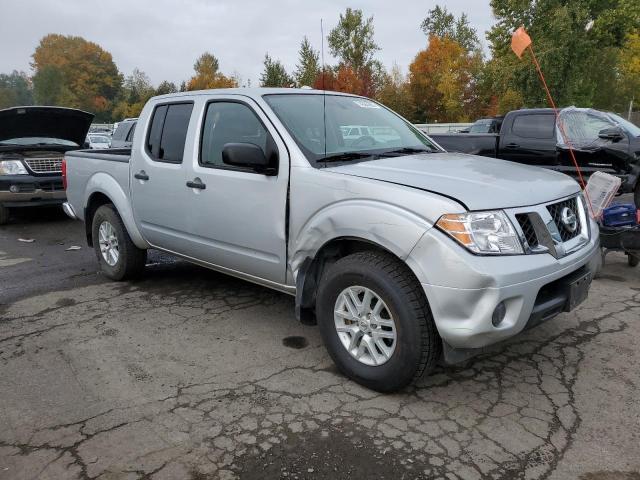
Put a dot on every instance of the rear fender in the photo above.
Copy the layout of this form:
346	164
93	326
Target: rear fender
107	185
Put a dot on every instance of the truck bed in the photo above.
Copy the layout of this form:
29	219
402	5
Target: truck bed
88	169
110	154
485	144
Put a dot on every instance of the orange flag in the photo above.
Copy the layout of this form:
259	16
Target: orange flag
520	40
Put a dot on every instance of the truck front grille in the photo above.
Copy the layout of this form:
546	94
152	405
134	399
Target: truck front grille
544	229
556	213
44	164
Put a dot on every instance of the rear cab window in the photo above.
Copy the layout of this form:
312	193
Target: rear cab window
168	132
535	125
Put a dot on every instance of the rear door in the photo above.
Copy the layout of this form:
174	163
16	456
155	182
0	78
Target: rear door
530	138
237	219
157	181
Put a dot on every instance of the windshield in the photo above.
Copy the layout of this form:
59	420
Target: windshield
355	129
28	141
98	139
631	129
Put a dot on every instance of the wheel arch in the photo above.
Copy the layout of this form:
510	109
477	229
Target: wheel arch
311	270
103	189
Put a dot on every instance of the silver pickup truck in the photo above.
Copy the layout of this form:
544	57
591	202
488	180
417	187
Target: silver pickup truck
403	254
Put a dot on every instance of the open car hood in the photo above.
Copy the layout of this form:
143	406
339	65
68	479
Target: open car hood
51	122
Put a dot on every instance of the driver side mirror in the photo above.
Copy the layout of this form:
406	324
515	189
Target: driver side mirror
247	155
615	134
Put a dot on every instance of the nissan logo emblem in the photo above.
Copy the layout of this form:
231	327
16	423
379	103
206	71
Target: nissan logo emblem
569	219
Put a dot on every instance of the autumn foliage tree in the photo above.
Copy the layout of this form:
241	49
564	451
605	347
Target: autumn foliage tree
441	81
73	72
207	75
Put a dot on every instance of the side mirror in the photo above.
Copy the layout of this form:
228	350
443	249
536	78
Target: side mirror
246	155
615	134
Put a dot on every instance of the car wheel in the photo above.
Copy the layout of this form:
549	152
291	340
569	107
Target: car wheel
119	258
375	321
4	215
633	260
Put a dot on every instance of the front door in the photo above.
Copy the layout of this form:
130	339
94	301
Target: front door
237	216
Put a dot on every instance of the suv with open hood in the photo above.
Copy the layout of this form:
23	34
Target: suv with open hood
32	143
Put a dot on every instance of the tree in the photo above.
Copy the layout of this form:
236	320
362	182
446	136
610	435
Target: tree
308	64
136	91
208	76
73	72
629	68
166	87
442	83
15	90
570	38
274	74
440	23
351	41
395	93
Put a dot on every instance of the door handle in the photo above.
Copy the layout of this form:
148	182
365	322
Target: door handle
196	183
141	175
512	145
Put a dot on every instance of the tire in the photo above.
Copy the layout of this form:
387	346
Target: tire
4	215
417	345
633	260
130	259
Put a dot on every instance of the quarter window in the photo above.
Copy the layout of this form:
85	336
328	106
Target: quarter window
168	132
231	122
534	126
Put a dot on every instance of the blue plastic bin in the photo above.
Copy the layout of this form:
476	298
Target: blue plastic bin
620	215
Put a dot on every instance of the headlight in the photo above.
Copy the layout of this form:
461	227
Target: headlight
485	233
12	167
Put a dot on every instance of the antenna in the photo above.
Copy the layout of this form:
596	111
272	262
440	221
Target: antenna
324	91
322	50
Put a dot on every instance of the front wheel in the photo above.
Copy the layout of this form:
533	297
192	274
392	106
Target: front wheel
119	258
375	321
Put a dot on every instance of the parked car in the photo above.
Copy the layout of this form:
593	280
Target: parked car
32	143
98	142
402	253
123	134
602	142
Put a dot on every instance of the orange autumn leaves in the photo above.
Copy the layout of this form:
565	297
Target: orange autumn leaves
75	72
442	80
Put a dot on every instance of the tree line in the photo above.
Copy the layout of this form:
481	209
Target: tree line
589	51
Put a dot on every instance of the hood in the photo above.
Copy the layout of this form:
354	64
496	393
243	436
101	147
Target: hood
52	122
479	183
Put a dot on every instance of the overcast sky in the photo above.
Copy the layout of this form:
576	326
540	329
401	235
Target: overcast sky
164	37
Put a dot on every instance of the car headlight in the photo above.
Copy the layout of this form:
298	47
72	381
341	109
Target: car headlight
484	233
12	167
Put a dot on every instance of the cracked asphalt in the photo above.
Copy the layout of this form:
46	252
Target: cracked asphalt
189	374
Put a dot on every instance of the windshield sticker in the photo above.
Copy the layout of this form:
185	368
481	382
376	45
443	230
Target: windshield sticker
366	103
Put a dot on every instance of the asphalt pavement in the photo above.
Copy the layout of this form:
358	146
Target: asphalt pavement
190	374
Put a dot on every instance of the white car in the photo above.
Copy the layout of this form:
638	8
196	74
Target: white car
98	142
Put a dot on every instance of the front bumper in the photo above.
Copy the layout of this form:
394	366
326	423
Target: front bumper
28	190
464	290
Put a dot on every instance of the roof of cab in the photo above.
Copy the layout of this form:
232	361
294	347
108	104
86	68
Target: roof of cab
253	92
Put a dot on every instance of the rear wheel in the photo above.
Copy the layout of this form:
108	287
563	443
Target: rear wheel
119	258
375	321
4	215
